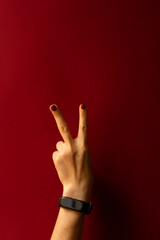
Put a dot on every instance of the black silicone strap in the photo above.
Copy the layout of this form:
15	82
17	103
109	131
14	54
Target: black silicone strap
75	204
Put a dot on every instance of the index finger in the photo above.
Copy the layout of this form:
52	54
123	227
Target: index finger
61	123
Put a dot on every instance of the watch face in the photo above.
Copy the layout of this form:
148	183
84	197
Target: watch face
72	204
77	205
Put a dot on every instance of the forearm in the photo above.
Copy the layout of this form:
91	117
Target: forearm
68	226
69	223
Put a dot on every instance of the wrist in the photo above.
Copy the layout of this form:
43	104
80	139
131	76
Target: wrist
77	193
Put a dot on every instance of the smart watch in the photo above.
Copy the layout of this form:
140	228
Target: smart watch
75	204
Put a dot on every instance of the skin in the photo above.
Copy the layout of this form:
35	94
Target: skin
72	161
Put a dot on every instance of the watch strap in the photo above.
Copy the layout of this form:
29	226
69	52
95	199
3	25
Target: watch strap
75	204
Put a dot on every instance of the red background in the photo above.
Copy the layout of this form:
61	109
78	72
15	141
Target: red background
101	53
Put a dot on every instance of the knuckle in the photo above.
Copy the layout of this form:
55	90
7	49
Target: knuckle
58	144
84	128
64	129
55	156
57	159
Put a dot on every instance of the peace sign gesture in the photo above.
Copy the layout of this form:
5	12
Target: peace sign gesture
72	159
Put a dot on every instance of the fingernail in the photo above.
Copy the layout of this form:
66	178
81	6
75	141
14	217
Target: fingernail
83	106
54	108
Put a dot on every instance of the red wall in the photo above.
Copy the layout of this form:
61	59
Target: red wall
101	53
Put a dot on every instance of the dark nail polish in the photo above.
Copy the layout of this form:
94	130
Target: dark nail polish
83	106
53	108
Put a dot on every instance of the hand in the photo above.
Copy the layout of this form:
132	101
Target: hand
72	159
